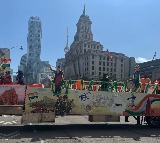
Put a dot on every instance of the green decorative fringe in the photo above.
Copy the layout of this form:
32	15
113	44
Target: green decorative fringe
90	85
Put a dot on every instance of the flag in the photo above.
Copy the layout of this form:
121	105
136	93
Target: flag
108	54
6	63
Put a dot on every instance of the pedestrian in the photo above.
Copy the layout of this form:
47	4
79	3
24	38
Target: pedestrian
19	77
57	79
136	76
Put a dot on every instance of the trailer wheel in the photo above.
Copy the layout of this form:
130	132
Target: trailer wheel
153	121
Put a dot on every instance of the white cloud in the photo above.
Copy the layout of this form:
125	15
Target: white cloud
141	60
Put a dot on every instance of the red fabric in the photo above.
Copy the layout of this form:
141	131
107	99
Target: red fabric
94	88
35	85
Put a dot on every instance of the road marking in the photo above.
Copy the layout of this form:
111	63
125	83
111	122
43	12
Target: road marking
2	122
7	123
14	122
42	141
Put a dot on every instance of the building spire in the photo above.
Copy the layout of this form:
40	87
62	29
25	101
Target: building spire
66	49
84	10
67	38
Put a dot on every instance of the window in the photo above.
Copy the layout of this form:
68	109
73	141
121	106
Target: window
103	63
111	64
92	56
92	73
99	63
121	70
107	63
111	70
121	60
92	67
97	47
84	44
94	47
99	68
121	65
103	68
107	69
87	63
88	46
115	64
121	75
99	73
107	58
100	58
92	62
114	69
84	50
103	58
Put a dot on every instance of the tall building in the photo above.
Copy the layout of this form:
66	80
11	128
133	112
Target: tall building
61	62
86	58
31	63
42	77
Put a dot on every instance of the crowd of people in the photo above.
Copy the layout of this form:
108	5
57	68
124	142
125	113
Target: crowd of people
105	81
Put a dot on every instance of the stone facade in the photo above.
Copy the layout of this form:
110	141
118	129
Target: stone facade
87	59
151	68
42	77
61	63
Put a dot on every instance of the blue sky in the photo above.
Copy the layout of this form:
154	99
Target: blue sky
131	27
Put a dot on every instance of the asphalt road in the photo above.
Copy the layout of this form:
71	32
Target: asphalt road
75	129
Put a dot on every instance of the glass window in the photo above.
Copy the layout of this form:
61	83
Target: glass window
92	67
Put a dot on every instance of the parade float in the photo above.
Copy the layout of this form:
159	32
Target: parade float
37	104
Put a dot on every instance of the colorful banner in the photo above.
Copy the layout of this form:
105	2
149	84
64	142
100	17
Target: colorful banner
95	102
12	94
39	100
109	103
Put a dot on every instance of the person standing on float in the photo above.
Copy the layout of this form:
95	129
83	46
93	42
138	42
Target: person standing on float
57	79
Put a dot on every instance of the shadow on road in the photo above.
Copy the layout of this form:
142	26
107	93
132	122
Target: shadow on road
74	131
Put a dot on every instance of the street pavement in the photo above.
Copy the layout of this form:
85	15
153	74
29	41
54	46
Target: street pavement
75	129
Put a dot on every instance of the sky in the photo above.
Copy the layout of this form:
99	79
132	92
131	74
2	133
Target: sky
131	27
